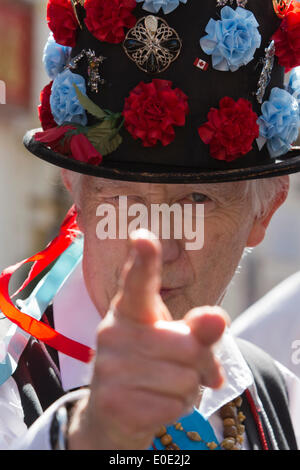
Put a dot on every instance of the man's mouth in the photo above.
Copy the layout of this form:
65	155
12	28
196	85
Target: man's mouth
166	292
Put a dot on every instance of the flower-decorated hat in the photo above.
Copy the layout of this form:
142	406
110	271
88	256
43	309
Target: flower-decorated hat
174	91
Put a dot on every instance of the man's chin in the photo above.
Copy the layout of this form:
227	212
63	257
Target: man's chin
176	303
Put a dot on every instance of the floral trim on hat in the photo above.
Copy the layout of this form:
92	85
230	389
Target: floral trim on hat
44	109
62	22
230	130
153	6
55	57
293	86
152	110
233	40
108	19
84	143
70	141
287	38
64	102
279	123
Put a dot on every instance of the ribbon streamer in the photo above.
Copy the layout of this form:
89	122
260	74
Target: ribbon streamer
41	260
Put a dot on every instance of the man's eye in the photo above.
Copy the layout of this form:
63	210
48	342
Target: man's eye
199	198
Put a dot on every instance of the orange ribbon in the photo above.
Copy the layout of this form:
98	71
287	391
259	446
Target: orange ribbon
41	260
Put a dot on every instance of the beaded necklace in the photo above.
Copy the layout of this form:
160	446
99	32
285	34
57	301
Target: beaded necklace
233	430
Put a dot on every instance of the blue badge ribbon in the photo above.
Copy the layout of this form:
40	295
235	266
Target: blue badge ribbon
191	422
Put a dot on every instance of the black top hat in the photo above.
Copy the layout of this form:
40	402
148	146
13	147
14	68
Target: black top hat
174	91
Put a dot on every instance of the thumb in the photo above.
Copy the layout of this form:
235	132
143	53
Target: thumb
207	323
138	298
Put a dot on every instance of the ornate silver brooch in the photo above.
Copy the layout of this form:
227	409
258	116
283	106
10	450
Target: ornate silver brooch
152	44
239	3
265	76
93	68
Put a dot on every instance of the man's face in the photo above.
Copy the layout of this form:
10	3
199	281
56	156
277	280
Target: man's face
190	278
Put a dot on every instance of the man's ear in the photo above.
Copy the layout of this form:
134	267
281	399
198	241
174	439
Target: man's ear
260	224
65	179
67	183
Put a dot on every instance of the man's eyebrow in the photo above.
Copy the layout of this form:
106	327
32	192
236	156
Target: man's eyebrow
111	184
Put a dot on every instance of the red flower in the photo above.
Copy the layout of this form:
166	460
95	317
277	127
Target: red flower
230	130
44	109
106	19
54	138
84	151
287	38
151	111
74	145
62	22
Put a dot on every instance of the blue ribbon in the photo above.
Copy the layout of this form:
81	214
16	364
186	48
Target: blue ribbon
36	304
191	422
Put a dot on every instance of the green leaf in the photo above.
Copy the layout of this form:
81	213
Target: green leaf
89	105
104	137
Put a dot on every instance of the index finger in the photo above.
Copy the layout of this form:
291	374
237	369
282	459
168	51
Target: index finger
139	296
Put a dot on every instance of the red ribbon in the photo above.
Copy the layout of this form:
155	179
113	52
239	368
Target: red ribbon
41	260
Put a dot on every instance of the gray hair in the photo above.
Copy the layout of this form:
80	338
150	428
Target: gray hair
261	192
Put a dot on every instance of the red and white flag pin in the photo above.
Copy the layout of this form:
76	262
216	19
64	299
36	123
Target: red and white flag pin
201	64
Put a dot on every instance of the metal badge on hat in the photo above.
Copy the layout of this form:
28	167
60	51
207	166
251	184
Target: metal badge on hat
281	7
152	44
240	3
74	4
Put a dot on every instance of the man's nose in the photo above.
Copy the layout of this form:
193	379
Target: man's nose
170	250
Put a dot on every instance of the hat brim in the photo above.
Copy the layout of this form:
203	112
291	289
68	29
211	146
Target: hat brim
288	164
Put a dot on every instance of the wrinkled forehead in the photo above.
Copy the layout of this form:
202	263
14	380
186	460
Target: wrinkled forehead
103	186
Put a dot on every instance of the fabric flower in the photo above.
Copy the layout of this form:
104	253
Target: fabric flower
106	20
64	103
44	109
152	110
62	22
287	38
82	150
230	130
54	138
70	141
153	6
279	122
55	57
233	40
293	86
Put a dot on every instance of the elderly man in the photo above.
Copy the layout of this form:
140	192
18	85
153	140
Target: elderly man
133	351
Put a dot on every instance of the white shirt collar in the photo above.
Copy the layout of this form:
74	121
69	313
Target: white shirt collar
76	317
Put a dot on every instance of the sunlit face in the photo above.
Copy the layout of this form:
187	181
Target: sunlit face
189	277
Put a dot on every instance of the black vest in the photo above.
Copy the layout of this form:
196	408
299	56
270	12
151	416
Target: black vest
38	380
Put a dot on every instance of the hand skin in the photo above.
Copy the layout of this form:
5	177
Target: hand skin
148	368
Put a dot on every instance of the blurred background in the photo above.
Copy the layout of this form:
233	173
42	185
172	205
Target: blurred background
32	201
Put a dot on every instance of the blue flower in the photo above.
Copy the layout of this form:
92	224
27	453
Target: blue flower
279	122
233	40
55	57
64	103
293	86
153	6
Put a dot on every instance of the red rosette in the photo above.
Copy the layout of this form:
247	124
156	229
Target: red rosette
152	110
44	109
56	139
61	139
83	151
287	38
106	20
62	22
230	130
